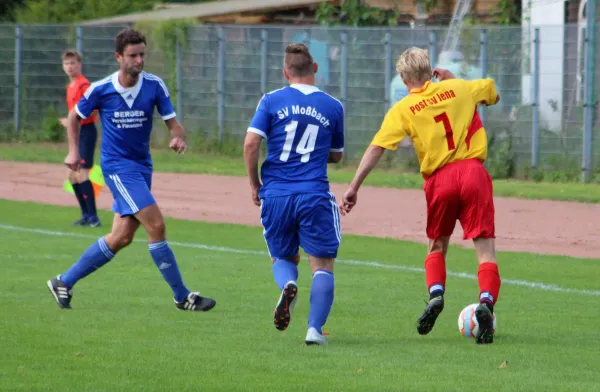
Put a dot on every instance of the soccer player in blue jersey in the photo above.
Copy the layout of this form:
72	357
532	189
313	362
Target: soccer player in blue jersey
304	130
126	101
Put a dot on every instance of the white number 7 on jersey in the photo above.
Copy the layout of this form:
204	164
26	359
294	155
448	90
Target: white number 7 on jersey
306	145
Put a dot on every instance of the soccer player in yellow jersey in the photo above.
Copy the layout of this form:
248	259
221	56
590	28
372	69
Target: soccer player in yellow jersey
442	121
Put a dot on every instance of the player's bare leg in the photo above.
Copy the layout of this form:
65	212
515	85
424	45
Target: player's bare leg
122	233
435	276
282	315
489	288
152	220
321	298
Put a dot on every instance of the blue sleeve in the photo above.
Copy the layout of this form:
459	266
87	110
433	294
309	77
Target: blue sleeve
261	121
163	101
337	139
89	102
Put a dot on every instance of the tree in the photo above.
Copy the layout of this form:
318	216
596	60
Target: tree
70	11
8	8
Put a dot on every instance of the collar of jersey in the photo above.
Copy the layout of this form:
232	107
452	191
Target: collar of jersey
420	90
305	88
131	90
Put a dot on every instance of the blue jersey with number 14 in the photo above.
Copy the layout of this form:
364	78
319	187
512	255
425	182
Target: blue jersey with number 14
302	125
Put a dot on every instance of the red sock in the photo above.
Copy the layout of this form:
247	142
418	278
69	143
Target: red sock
435	273
489	282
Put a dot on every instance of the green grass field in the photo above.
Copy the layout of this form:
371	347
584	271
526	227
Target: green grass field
124	333
193	162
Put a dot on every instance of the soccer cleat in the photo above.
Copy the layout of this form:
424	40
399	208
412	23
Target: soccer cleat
485	334
431	313
196	303
61	292
313	337
93	222
80	222
285	306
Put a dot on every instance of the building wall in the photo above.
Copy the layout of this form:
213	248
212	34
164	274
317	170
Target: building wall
549	17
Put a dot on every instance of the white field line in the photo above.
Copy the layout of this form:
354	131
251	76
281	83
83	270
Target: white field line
371	264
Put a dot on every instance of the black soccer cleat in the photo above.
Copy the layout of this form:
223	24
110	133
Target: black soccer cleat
80	222
61	292
196	303
431	313
283	310
484	316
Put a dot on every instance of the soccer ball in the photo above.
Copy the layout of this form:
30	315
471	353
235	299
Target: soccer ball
467	322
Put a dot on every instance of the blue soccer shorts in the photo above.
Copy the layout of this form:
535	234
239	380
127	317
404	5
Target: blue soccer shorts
310	220
131	192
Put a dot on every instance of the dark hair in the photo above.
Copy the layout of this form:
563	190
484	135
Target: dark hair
298	60
128	37
71	53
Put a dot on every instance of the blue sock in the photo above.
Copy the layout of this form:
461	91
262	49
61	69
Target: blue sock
93	258
321	299
284	271
165	261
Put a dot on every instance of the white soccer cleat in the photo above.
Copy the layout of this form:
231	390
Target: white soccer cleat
314	337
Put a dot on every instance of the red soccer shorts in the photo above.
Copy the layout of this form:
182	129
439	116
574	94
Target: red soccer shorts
460	190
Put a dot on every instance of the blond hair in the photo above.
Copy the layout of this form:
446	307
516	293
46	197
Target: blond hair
414	66
69	53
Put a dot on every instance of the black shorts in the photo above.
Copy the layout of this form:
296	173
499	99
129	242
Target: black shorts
88	136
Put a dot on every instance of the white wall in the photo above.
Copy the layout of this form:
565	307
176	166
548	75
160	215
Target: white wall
549	16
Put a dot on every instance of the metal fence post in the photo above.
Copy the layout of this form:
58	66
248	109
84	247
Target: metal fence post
388	69
178	79
433	48
483	61
264	42
344	74
535	93
79	39
589	86
17	112
221	82
79	42
307	38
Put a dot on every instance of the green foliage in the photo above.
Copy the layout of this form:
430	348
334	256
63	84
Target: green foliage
70	11
164	36
508	13
52	130
352	13
428	5
501	161
8	8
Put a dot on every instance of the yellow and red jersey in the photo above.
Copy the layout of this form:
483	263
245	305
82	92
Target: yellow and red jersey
75	91
442	121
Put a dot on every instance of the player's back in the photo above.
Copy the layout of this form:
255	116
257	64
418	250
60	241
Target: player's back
305	124
443	123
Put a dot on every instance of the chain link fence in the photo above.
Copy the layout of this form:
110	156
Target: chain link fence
218	73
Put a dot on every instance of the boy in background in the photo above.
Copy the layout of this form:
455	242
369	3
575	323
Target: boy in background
84	191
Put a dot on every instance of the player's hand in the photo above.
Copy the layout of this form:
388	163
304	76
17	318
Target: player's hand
178	145
72	161
442	74
348	201
64	122
255	197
